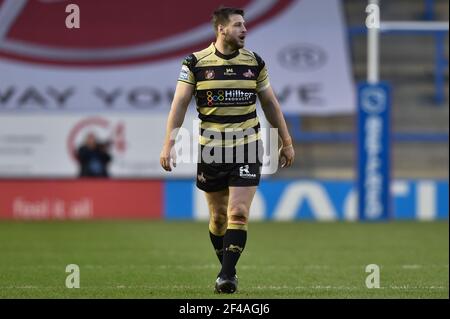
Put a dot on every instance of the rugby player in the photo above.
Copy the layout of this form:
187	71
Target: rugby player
225	79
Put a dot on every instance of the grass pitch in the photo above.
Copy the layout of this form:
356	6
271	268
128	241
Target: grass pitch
148	259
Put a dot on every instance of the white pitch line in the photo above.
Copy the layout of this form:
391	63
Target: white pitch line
412	266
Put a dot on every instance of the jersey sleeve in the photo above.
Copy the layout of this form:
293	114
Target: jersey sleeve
262	82
187	70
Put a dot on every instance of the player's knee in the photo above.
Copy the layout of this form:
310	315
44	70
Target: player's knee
221	210
238	219
239	210
216	228
219	219
238	214
218	223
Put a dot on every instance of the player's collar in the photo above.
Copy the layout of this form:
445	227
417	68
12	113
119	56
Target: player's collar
224	56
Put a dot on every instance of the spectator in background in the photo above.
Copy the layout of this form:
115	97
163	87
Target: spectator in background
93	157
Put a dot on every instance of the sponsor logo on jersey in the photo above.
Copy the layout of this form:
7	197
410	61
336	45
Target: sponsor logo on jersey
249	74
209	74
184	73
227	96
229	72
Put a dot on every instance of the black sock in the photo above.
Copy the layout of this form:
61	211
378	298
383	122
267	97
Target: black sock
233	245
217	242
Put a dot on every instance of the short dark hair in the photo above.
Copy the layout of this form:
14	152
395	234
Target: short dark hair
222	15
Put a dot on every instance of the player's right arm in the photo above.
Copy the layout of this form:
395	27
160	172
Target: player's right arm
180	103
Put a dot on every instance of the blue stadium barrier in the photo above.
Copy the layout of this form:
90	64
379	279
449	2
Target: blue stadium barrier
316	200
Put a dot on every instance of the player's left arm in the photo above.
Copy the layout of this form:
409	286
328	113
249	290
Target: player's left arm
272	111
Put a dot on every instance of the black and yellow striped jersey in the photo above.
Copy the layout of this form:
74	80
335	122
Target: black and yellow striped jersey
226	90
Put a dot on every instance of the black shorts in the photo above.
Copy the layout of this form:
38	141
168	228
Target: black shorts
237	166
216	177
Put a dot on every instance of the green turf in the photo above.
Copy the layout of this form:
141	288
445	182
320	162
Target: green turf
148	259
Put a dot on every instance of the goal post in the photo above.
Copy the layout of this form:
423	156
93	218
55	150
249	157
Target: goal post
374	120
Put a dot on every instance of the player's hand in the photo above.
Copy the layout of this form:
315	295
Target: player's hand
287	155
168	158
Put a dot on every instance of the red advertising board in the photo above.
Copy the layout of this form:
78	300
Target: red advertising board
80	199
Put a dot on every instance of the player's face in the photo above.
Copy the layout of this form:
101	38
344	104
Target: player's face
235	32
